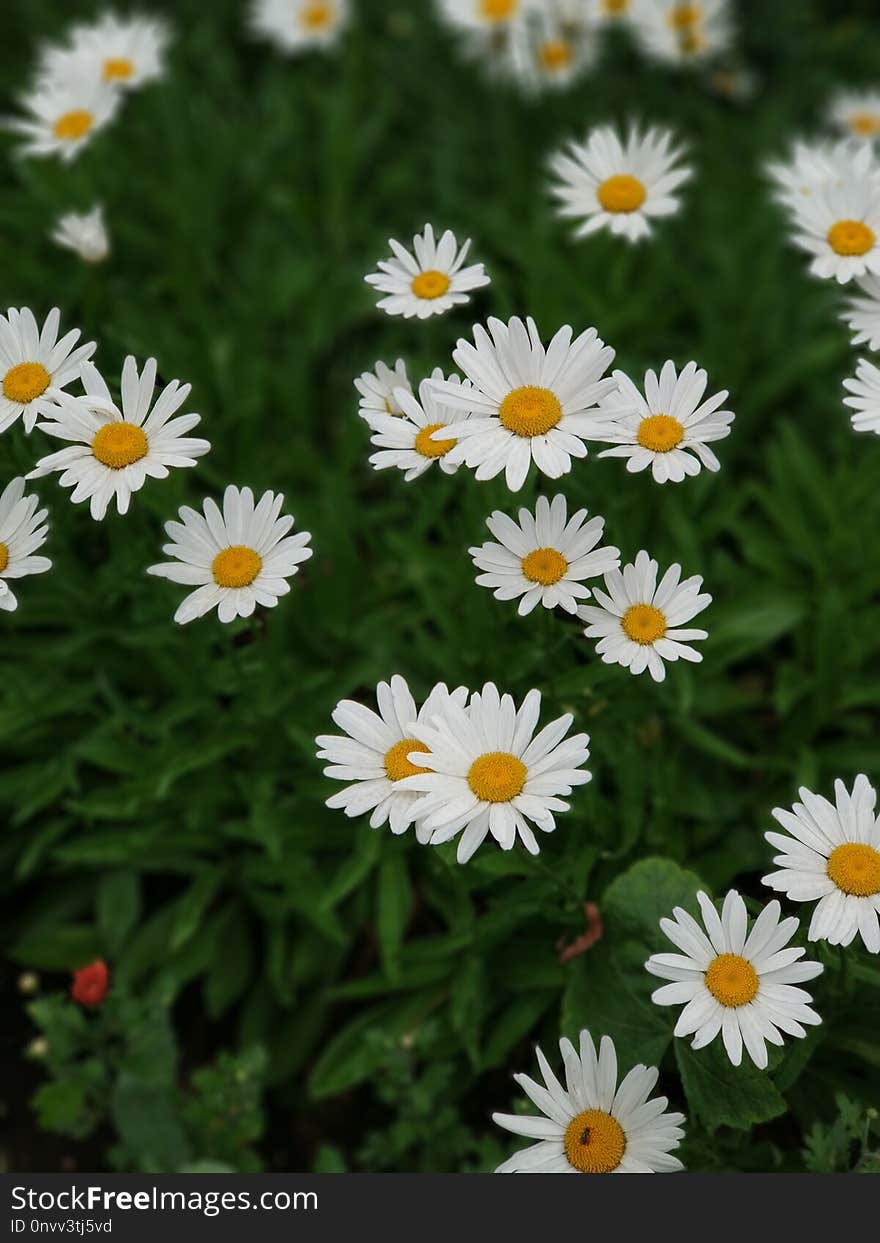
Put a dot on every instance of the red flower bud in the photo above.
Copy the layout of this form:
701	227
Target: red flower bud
90	983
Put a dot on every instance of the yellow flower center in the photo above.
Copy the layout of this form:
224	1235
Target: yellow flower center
660	433
865	124
683	16
594	1142
118	69
621	193
732	980
26	381
119	444
74	124
530	411
498	10
4	557
432	448
497	777
237	566
316	16
431	284
692	41
397	766
850	237
614	8
643	623
855	868
555	54
545	566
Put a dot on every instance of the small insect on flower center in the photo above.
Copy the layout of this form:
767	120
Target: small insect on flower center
397	765
118	69
660	433
555	54
498	10
431	284
644	624
855	869
4	557
594	1142
865	124
497	777
530	411
732	980
119	444
621	193
684	16
26	381
74	124
545	566
432	448
237	566
316	16
850	237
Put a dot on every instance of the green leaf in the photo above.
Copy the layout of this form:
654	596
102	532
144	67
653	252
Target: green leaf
192	906
720	1094
393	900
119	906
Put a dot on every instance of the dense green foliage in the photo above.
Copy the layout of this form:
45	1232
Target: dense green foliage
163	807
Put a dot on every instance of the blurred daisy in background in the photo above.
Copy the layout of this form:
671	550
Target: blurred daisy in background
125	51
236	558
552	48
668	426
529	404
408	440
864	390
85	234
856	114
430	280
608	12
23	529
619	184
839	223
486	24
639	621
485	771
862	313
64	114
545	558
592	1126
377	387
831	856
299	25
809	167
35	364
679	32
739	983
375	753
114	452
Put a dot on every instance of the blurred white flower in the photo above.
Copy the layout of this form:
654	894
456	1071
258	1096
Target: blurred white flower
85	234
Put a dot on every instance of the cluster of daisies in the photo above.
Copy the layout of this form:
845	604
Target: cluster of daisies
234	558
550	43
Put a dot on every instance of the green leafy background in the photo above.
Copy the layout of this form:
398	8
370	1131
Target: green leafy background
352	1000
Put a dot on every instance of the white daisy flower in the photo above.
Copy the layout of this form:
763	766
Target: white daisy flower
408	440
608	12
552	49
23	529
485	771
813	166
856	114
114	453
865	400
429	282
484	17
530	404
743	986
236	558
832	853
862	314
85	235
639	622
679	32
299	25
123	51
63	114
545	557
619	184
377	389
376	752
839	224
592	1126
35	365
668	426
